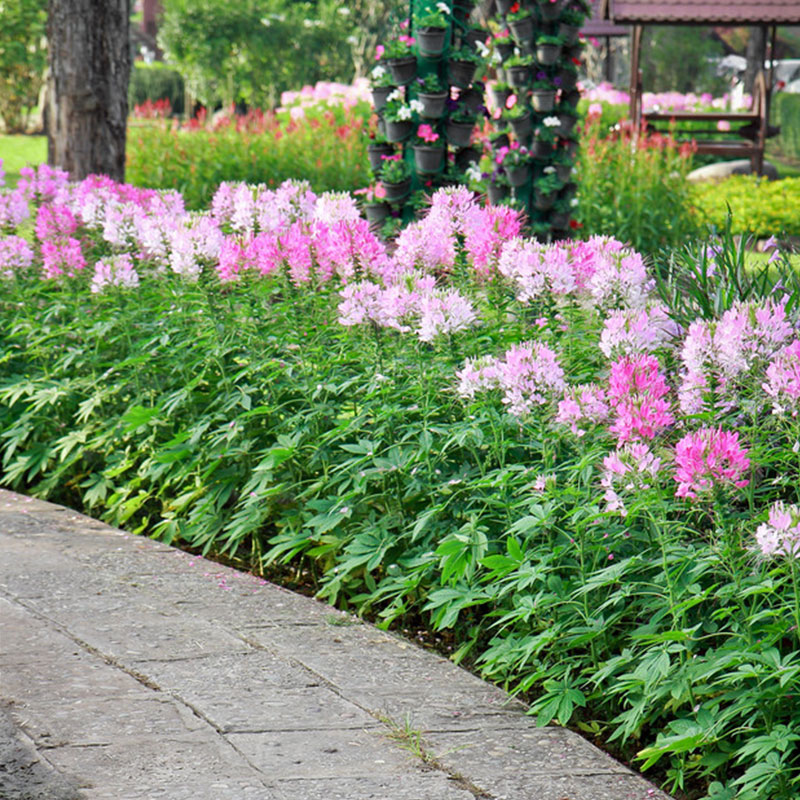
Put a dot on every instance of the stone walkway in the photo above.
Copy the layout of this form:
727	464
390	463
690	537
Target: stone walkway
130	670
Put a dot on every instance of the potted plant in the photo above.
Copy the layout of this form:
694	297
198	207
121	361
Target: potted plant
504	45
559	215
504	6
518	69
546	189
544	137
548	49
567	119
562	163
499	140
397	117
432	95
400	60
516	163
519	118
378	150
543	93
460	125
567	77
474	38
428	150
498	187
431	26
549	10
396	178
570	23
381	86
372	200
520	23
500	92
461	67
466	157
472	98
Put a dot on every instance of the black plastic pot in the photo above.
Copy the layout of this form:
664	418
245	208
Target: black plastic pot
376	153
504	6
540	149
547	54
544	202
522	127
543	100
472	99
497	192
376	213
550	12
431	41
379	96
563	171
459	133
466	156
397	191
522	31
427	159
506	50
398	131
519	76
519	175
403	70
569	78
473	37
569	33
566	122
433	105
559	220
461	72
499	96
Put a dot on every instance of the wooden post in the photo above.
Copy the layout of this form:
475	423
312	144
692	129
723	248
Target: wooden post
636	80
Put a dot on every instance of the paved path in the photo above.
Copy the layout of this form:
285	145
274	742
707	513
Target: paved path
130	670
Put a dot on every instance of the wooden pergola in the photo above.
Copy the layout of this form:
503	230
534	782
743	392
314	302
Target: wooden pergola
767	13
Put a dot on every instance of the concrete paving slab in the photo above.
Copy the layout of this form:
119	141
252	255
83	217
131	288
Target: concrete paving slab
134	670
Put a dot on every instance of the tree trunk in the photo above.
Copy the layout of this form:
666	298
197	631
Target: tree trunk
756	54
90	65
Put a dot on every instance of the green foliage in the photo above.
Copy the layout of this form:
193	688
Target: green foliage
638	194
155	82
786	113
759	207
23	58
253	50
326	148
680	58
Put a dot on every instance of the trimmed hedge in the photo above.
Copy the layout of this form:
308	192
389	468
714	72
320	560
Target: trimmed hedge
786	113
155	82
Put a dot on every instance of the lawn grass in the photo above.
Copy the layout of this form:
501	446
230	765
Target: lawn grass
19	151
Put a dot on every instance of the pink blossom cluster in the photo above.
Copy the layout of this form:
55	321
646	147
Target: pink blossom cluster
412	304
665	101
628	470
780	535
118	271
528	374
583	404
16	256
709	458
783	380
327	93
455	221
631	330
721	357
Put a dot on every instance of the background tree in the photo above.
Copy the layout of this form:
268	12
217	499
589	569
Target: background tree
23	58
90	63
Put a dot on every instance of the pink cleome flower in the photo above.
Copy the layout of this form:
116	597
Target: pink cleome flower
707	458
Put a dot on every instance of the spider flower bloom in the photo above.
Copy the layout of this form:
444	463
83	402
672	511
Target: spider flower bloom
114	272
62	258
636	331
707	458
16	256
636	392
529	375
781	534
783	380
54	222
584	402
629	469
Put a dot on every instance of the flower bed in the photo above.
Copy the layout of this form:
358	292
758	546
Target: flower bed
590	475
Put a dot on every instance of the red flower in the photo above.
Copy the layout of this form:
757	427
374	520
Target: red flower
576	62
574	224
514	8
